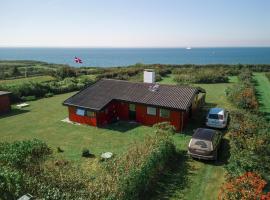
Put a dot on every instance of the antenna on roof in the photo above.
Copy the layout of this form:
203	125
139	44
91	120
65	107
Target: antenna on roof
154	88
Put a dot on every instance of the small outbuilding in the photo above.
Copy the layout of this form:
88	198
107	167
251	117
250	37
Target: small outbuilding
4	102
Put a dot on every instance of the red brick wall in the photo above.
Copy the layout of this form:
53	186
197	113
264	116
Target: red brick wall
81	119
4	103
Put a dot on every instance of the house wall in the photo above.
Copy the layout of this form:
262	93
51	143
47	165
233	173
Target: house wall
4	103
81	119
175	117
114	111
120	111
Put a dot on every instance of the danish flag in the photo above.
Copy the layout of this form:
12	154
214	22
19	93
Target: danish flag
77	60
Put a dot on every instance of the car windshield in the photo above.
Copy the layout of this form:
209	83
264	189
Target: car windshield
201	144
215	116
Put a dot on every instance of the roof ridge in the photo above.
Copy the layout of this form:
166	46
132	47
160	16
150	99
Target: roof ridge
184	86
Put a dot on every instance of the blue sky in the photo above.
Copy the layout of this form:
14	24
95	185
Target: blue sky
134	23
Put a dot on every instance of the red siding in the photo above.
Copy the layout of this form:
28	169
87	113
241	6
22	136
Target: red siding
144	118
115	110
81	119
120	111
4	103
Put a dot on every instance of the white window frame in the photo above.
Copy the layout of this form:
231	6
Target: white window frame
151	111
80	112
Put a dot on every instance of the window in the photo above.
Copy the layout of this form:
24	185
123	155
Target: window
132	107
151	111
215	116
80	112
216	139
90	113
164	113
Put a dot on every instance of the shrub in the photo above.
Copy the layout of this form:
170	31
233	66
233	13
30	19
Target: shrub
23	154
135	172
11	183
243	93
249	144
243	96
60	150
165	126
248	186
29	98
85	153
49	94
267	75
200	75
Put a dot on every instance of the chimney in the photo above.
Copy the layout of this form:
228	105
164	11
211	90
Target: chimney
149	76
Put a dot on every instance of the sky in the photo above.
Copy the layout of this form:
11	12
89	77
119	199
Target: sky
134	23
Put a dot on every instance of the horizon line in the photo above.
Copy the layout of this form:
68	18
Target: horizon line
134	47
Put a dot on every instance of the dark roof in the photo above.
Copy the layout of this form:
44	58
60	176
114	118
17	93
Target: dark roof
204	134
98	95
4	93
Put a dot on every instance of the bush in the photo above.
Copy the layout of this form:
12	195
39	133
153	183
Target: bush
165	126
29	98
243	96
86	153
247	186
50	94
267	75
23	154
249	144
200	75
45	89
243	93
136	171
11	183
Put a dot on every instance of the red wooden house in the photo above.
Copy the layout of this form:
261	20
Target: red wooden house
4	102
109	100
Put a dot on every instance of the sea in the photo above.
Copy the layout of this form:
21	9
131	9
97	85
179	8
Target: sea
113	57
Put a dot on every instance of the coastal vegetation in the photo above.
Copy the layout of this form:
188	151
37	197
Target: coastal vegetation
116	138
148	162
25	168
243	94
249	165
47	79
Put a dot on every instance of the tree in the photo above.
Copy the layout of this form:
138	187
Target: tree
15	71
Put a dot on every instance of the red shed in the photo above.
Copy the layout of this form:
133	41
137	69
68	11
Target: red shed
110	100
4	102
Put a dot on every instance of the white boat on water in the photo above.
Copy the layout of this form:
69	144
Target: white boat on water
188	48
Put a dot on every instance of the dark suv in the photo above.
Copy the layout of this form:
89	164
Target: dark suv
204	144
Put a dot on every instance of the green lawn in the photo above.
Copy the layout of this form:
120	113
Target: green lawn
215	93
24	80
189	178
263	90
42	120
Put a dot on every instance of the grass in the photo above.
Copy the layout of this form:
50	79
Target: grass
25	80
263	93
215	93
185	179
42	120
193	179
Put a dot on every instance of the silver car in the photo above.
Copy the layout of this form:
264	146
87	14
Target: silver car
217	118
